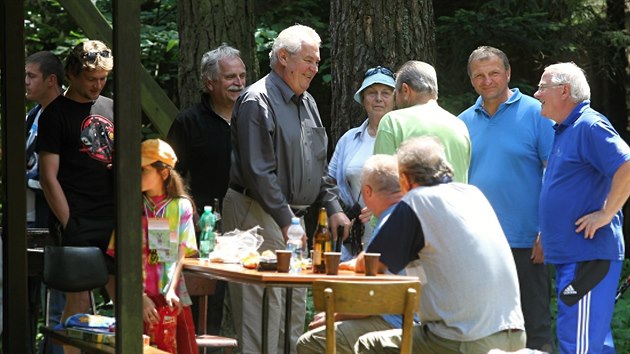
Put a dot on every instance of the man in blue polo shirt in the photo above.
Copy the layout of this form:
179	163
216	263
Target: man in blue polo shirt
586	183
510	146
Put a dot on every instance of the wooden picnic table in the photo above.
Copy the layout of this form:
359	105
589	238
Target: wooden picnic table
236	273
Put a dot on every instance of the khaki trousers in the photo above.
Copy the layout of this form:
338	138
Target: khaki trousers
346	333
242	212
426	342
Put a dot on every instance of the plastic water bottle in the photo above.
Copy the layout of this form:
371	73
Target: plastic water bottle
294	244
206	240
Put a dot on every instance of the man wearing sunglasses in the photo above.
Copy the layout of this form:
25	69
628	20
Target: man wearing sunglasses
419	114
75	144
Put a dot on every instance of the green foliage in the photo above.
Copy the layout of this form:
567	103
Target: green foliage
621	317
159	40
533	34
278	15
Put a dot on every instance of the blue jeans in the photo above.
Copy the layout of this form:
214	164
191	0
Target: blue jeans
55	309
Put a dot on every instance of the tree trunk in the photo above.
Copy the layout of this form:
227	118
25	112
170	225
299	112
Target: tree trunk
203	25
367	33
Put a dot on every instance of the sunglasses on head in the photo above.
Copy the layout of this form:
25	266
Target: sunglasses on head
380	69
91	56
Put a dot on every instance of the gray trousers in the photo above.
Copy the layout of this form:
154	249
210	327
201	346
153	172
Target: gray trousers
242	212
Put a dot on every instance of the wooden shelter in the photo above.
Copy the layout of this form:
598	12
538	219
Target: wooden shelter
140	92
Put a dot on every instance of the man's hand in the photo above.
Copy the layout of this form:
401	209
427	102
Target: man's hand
537	256
365	215
335	221
359	263
589	223
348	265
149	312
285	233
318	321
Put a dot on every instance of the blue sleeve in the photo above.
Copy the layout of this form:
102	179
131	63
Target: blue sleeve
399	240
608	150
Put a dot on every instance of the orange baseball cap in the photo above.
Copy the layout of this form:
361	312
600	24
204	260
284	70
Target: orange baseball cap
157	150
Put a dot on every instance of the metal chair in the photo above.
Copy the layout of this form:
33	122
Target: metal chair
201	287
367	298
73	269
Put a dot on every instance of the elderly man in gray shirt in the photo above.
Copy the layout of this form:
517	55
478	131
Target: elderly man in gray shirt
278	170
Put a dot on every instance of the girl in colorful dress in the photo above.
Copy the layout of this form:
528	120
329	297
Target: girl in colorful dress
169	236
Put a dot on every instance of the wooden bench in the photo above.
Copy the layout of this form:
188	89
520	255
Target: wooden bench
61	337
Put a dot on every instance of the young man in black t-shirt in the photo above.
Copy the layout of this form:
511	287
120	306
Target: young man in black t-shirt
76	145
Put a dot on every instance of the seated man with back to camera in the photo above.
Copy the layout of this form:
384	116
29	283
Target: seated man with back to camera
448	235
381	192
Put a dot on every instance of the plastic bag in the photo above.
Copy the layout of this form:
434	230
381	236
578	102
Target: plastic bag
234	245
164	333
84	320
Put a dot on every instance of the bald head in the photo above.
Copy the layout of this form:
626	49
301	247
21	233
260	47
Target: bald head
379	183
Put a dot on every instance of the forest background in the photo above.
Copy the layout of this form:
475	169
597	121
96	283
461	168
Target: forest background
358	34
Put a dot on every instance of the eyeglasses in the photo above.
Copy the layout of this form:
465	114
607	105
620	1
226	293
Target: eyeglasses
546	86
91	56
380	69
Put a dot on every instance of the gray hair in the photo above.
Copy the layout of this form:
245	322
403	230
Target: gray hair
486	52
210	62
423	160
381	173
291	39
570	73
420	76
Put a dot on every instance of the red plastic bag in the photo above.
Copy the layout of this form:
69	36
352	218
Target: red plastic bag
164	333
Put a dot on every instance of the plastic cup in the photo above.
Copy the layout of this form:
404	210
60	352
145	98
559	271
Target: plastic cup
284	260
332	262
371	263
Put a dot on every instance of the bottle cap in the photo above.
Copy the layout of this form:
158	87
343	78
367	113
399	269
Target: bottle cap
207	208
295	220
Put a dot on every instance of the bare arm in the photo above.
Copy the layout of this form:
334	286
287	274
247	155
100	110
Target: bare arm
619	192
171	295
320	319
56	198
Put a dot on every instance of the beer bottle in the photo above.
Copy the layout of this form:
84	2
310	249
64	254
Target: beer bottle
322	242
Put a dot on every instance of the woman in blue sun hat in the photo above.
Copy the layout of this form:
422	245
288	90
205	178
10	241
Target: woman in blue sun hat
376	95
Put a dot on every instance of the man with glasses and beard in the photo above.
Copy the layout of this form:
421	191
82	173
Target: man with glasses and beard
200	136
